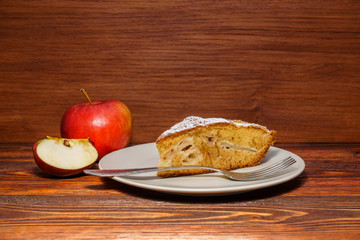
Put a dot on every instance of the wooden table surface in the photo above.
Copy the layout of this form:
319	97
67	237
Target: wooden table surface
322	203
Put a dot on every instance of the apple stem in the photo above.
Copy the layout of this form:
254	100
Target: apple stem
87	96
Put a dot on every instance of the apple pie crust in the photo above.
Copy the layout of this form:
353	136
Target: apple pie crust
212	142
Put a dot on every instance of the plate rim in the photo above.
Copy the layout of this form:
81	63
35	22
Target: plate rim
259	184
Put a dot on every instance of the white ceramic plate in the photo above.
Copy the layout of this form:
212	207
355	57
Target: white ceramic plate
146	155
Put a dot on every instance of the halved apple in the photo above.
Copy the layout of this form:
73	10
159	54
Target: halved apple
64	157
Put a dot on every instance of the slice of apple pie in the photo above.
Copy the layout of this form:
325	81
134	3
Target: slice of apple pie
212	142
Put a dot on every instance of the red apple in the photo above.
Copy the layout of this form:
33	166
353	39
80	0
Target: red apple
107	123
64	157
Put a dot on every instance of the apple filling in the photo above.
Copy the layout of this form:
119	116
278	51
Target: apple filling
201	150
230	146
183	153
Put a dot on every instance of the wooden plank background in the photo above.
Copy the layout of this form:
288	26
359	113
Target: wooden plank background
292	66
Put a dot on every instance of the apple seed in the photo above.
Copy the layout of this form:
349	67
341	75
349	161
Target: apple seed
66	143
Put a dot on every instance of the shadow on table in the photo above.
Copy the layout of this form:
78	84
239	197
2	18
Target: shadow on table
37	172
263	193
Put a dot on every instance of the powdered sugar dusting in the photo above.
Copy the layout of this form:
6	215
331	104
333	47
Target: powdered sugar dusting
193	121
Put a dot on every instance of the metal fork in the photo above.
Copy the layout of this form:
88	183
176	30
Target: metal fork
238	176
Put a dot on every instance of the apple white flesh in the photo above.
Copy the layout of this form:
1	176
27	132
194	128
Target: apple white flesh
64	157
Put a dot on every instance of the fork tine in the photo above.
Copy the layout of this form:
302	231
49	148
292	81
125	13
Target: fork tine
271	169
266	174
274	168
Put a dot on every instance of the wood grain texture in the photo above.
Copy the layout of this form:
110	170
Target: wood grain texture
293	67
322	203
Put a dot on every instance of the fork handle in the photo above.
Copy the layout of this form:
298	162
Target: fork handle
123	172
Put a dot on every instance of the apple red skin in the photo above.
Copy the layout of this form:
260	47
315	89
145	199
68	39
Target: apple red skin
108	124
59	172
